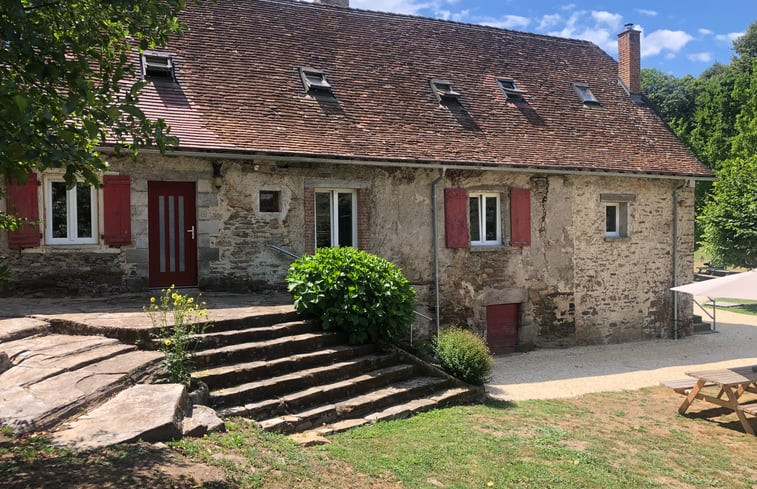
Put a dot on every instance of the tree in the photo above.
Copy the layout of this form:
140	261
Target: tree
673	97
68	81
729	218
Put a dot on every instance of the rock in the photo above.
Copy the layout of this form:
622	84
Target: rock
16	328
5	362
202	420
200	393
148	412
309	439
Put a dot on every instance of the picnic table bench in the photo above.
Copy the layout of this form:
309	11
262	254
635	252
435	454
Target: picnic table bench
733	383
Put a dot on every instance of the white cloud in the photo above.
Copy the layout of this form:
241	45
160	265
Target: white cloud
548	21
396	6
732	36
705	32
664	40
702	57
607	18
569	6
643	11
506	22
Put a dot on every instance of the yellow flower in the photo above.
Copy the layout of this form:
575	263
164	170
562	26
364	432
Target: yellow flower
168	342
190	300
152	300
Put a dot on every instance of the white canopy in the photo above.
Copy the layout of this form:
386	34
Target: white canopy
737	286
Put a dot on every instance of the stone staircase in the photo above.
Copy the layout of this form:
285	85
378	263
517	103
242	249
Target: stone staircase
291	377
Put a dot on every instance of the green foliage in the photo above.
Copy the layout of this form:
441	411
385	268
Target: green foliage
68	79
729	218
464	355
177	318
353	291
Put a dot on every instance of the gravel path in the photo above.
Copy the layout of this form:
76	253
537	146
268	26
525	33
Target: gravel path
570	372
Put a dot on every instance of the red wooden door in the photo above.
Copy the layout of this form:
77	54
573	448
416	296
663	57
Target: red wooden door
502	327
172	233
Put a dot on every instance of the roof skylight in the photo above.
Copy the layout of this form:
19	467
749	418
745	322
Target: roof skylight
584	93
156	64
511	90
443	90
314	80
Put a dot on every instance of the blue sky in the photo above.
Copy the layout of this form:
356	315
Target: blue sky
678	36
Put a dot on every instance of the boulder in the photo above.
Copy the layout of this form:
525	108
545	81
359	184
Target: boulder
202	420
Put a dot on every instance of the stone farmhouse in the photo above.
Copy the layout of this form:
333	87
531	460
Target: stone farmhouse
523	182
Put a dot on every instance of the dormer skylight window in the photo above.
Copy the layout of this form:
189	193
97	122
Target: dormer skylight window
584	93
511	90
314	80
157	65
443	90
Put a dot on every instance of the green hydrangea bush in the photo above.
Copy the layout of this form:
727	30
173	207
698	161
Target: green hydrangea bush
352	291
464	355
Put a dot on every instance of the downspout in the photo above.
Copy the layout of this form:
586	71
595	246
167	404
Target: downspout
675	259
435	232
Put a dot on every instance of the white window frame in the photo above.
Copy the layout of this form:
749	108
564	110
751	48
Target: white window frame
71	215
334	203
621	220
481	196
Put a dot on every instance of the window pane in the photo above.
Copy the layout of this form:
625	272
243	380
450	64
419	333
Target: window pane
611	219
269	201
58	211
491	218
83	211
344	226
322	219
475	227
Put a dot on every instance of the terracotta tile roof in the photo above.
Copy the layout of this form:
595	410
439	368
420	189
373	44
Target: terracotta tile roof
239	90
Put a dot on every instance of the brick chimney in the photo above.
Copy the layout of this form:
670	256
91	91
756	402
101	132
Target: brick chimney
334	3
629	58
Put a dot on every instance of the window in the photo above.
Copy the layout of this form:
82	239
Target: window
269	200
443	90
157	65
335	217
511	90
616	219
314	81
585	94
70	214
484	219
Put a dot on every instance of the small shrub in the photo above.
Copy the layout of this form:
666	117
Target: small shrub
177	319
464	355
353	291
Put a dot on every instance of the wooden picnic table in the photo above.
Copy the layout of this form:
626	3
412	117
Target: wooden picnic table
732	382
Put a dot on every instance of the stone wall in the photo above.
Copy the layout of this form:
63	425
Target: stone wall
573	285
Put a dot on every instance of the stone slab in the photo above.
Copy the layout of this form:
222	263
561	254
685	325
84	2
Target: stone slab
149	412
58	396
15	328
202	420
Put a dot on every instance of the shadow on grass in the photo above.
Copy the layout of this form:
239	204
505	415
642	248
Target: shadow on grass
498	403
34	463
722	417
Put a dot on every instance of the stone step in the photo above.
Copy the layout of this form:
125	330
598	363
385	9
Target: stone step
354	407
297	401
39	358
260	319
235	374
256	333
41	405
148	412
296	381
265	350
455	395
17	328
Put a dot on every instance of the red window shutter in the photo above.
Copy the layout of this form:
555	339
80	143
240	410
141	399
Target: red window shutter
520	217
21	201
117	207
456	218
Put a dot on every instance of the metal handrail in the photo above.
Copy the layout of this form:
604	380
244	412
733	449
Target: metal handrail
284	251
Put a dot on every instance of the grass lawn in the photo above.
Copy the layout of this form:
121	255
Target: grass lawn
746	307
630	439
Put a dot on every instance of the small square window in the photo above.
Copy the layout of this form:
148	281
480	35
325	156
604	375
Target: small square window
443	90
270	201
157	65
511	90
314	81
585	94
616	219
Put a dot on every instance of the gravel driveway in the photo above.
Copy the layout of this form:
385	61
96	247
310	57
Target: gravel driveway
570	372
